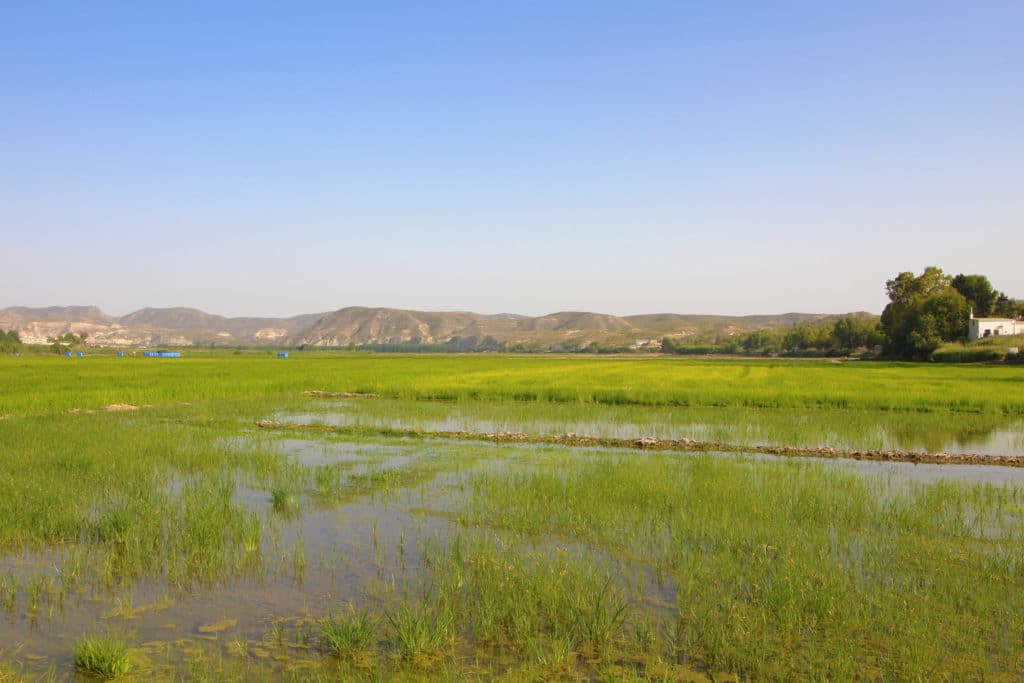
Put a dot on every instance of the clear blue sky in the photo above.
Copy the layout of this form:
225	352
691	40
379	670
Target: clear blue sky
623	157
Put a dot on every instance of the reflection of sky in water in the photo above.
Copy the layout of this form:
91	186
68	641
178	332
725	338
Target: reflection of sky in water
952	433
907	472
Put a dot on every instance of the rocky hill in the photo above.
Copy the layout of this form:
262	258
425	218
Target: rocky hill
358	325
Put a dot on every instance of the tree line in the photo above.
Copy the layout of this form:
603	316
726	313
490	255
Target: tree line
924	312
845	336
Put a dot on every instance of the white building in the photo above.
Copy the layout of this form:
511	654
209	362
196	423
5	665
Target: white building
993	327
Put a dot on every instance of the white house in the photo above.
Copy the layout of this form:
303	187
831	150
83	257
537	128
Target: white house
993	327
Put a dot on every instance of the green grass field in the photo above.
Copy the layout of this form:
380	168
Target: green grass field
50	384
179	542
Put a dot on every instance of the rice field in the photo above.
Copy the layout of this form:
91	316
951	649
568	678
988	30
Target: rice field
150	530
50	384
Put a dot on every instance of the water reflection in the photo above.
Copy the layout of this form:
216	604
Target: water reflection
846	429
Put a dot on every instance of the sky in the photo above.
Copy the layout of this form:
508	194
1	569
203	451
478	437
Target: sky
523	156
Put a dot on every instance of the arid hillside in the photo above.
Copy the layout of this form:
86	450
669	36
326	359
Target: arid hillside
460	331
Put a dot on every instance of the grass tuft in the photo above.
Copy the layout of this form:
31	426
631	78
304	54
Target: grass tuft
598	619
105	656
420	631
284	498
352	632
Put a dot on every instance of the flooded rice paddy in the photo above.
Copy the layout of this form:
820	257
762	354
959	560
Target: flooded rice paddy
326	557
846	429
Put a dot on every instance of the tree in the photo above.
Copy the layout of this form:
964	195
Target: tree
10	341
979	293
853	332
906	288
923	312
761	342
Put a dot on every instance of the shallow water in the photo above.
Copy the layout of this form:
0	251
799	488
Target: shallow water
364	547
848	429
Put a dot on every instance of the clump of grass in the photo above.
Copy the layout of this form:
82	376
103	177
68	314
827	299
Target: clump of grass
422	630
252	533
327	479
352	632
555	652
284	498
104	656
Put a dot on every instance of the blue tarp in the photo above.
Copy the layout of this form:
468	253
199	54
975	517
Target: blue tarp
162	354
282	354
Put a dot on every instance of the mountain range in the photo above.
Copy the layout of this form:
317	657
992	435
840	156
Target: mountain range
459	331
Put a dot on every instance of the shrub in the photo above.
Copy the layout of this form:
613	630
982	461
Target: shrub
959	353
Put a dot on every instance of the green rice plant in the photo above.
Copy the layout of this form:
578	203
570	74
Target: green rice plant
349	633
327	480
252	533
645	636
104	656
298	556
554	652
277	629
9	590
597	619
421	630
36	586
771	563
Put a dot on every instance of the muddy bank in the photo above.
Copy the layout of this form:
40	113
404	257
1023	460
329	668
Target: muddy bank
315	393
652	444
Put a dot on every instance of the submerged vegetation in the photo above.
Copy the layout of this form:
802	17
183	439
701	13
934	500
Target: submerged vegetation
224	552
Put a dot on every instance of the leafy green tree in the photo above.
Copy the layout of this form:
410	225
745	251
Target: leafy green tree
906	288
10	341
854	332
807	338
923	312
1005	307
979	293
761	342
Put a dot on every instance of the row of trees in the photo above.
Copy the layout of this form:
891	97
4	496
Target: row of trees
59	345
846	335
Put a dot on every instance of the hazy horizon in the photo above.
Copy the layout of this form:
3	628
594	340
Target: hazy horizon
270	161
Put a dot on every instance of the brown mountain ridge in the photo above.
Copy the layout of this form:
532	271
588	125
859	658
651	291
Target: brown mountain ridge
462	331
